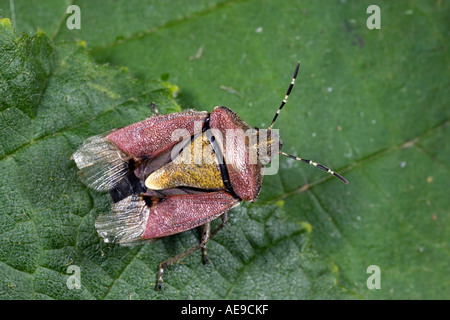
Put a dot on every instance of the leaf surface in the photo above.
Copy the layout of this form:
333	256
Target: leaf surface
370	104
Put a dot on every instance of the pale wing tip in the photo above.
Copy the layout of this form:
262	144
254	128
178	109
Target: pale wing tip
102	164
125	223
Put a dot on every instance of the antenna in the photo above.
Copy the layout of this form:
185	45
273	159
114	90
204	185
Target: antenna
288	92
317	165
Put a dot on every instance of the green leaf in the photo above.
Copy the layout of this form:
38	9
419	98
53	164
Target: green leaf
48	214
370	104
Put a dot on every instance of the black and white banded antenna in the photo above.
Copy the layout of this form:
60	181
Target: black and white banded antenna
317	165
283	103
288	92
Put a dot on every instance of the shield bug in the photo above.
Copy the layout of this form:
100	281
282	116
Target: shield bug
171	173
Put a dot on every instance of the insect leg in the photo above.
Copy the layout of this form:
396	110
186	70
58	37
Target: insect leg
224	218
206	236
175	259
206	232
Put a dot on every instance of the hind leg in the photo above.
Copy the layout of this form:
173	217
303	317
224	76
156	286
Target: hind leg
206	236
206	232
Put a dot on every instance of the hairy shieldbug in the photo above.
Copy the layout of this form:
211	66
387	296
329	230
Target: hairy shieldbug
171	173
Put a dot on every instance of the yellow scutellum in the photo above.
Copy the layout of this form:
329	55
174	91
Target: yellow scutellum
197	169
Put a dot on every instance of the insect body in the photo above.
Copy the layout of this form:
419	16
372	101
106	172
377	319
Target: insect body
171	173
